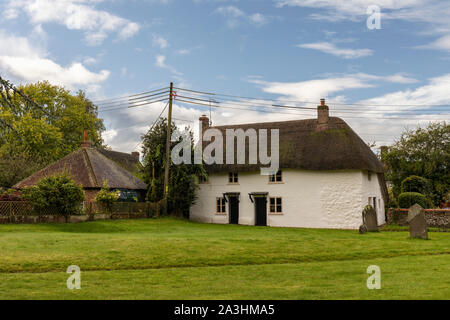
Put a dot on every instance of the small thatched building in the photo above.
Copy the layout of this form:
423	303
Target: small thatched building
328	174
89	167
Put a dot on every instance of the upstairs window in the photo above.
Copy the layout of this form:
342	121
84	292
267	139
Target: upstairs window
276	205
276	177
220	205
233	177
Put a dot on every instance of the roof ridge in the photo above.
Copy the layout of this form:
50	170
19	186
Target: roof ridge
273	122
89	164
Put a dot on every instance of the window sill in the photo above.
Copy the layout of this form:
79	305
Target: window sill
276	214
233	183
220	214
276	182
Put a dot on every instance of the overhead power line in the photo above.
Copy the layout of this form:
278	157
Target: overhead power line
132	100
133	106
265	111
313	102
9	86
256	104
128	97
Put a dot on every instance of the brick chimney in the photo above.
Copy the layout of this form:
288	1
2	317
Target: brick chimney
323	115
204	123
86	143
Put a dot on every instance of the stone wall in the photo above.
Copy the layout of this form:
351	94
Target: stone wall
437	218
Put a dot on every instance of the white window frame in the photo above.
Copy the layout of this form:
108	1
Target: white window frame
221	209
276	212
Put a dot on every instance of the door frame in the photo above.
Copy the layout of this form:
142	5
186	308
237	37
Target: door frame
258	195
227	197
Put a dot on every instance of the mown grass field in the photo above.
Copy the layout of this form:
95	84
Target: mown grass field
176	259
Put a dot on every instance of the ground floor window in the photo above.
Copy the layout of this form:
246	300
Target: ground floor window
276	205
373	202
220	205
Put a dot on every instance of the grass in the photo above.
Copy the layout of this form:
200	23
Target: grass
176	259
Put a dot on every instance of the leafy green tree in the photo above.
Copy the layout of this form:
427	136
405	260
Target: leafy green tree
183	181
424	152
44	132
58	192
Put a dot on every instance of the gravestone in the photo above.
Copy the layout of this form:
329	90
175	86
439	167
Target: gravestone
417	222
370	222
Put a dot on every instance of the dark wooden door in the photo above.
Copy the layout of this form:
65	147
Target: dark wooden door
234	210
261	211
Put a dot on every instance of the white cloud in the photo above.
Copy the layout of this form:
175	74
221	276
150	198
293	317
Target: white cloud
413	107
161	62
314	90
235	16
332	49
30	63
74	15
183	52
442	43
434	14
159	41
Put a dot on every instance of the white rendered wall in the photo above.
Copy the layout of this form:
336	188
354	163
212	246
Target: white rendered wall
311	199
372	189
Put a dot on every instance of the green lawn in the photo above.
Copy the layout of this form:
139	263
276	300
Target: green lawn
175	259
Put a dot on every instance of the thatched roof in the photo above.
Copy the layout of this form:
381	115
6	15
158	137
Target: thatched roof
304	145
89	168
127	161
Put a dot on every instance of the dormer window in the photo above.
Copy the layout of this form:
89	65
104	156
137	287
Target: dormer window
233	177
276	177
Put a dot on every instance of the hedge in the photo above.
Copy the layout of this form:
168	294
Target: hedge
407	199
416	184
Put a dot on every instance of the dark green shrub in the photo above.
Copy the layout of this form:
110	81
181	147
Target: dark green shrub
58	192
407	199
416	184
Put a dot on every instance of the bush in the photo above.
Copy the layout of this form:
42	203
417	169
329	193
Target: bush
106	198
58	192
416	184
407	199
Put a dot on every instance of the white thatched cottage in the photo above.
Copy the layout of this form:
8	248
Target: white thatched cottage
327	176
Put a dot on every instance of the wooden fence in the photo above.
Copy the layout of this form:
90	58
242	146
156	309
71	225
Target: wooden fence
13	211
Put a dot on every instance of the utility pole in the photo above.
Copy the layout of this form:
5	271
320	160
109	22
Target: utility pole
168	140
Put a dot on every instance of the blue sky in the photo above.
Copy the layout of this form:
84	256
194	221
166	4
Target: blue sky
286	50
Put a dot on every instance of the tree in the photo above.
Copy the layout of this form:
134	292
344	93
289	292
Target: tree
37	134
424	152
183	181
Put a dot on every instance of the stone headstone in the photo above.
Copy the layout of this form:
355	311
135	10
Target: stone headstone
417	222
362	229
370	222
